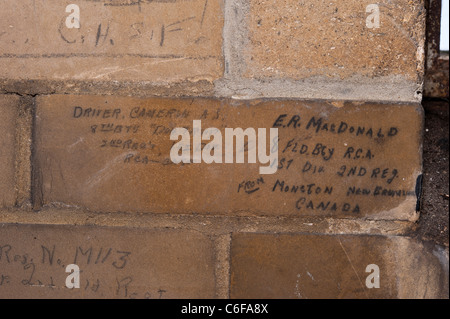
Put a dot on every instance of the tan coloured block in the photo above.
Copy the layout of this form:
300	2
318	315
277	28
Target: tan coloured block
8	112
114	262
302	39
335	159
285	266
154	41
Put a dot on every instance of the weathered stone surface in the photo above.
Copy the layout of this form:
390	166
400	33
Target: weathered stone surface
335	159
8	111
114	262
155	41
299	39
324	50
334	267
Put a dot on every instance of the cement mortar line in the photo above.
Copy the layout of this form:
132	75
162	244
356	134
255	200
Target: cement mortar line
208	224
232	87
23	140
142	89
222	269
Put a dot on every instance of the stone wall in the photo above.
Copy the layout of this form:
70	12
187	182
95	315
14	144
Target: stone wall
90	92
